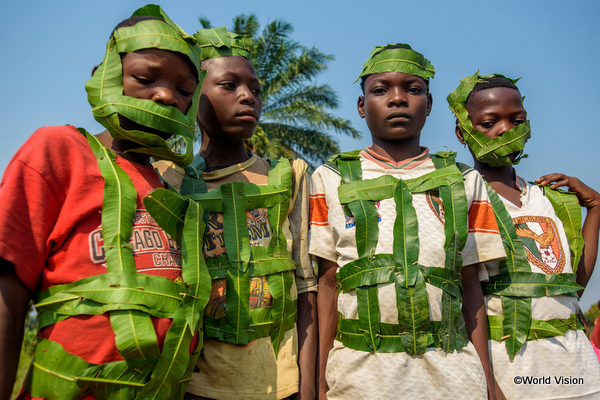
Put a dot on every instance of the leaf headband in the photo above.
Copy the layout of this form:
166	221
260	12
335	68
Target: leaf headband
218	42
384	59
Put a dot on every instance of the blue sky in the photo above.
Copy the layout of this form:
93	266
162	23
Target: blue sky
49	48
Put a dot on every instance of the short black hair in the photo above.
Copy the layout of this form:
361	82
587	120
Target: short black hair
390	47
491	83
131	21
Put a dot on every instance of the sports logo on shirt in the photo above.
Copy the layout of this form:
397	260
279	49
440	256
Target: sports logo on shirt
542	243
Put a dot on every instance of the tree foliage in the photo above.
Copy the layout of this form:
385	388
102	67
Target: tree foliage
296	117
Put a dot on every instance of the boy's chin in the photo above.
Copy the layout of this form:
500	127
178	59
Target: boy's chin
130	125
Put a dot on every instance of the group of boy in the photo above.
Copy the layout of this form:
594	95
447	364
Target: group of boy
435	279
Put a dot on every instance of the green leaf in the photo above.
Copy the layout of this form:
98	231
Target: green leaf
452	330
516	322
54	372
237	303
118	209
117	380
173	362
194	270
413	314
367	228
237	241
368	315
134	334
168	210
531	284
406	237
567	208
283	308
378	268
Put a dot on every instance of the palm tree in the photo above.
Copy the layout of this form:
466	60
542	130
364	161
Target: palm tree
296	119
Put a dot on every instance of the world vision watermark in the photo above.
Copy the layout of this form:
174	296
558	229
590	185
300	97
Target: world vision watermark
548	380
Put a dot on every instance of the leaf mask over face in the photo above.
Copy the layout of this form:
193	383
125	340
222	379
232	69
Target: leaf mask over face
384	59
218	42
105	88
494	152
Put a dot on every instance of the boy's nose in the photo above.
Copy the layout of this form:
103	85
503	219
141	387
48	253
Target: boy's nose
397	98
503	127
246	95
164	96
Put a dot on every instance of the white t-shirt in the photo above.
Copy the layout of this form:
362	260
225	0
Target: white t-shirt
569	356
353	374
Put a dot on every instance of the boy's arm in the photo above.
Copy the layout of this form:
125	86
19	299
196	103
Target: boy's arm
307	343
590	199
476	323
14	302
328	318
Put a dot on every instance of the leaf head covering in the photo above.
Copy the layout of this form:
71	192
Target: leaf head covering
105	88
493	152
386	59
218	42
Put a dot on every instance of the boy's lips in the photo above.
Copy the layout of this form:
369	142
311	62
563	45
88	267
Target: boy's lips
248	114
398	116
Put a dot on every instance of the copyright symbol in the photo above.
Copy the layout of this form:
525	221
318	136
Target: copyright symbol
518	380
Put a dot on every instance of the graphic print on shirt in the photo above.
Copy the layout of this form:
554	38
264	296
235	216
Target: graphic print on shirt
152	247
351	222
436	205
542	242
260	234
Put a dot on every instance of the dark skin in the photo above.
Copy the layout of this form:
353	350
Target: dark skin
228	113
395	106
159	75
229	110
493	112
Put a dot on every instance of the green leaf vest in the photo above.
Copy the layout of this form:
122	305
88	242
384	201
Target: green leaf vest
240	324
130	298
414	331
516	284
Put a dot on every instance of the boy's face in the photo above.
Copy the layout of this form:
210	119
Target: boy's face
230	103
162	76
395	105
495	111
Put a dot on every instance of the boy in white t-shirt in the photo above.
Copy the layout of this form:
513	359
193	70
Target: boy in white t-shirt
542	352
392	226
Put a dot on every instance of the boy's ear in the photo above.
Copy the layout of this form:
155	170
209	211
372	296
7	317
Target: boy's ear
429	103
459	134
95	68
360	105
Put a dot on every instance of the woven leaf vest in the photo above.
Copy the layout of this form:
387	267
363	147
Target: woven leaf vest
414	331
240	324
516	284
130	298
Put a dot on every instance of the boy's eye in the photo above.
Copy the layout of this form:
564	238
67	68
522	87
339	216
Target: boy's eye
256	91
378	90
414	89
228	85
487	124
185	92
143	80
518	121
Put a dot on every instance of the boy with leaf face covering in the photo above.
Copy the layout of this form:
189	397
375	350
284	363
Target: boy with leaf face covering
260	323
398	233
531	296
115	293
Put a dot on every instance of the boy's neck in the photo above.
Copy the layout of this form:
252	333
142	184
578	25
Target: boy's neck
502	179
397	150
217	153
119	147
